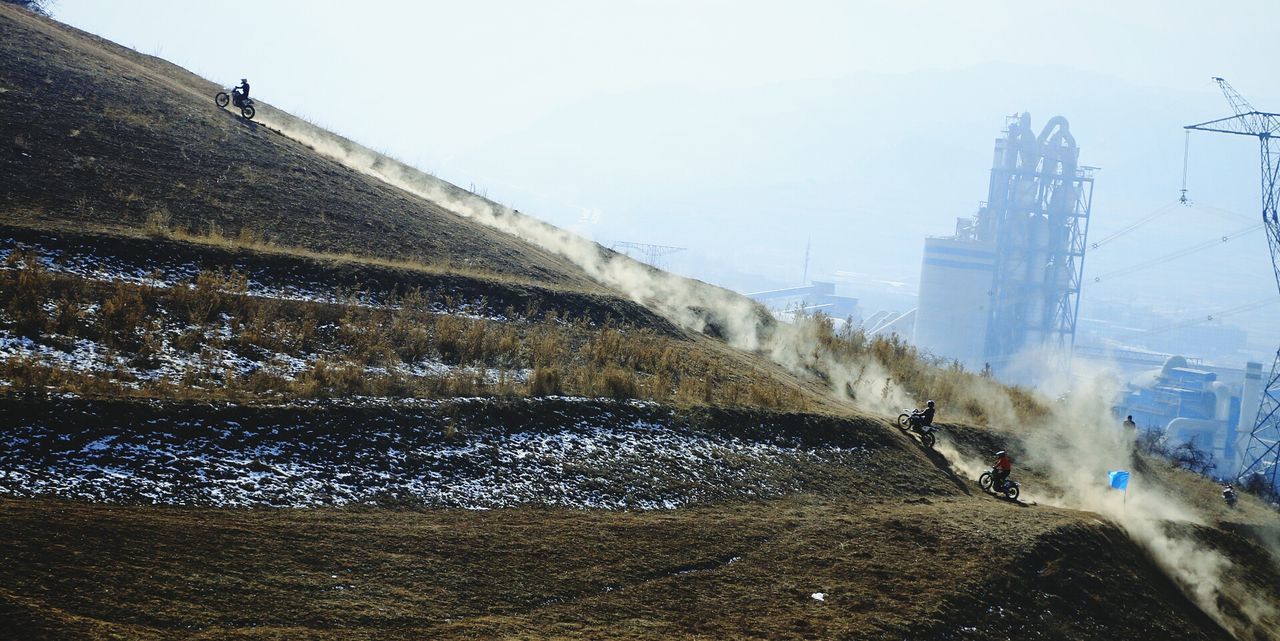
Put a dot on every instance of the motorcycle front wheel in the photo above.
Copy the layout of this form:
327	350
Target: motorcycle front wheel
221	99
984	481
904	421
247	111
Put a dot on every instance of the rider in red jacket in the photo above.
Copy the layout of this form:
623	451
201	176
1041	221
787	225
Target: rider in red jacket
1001	469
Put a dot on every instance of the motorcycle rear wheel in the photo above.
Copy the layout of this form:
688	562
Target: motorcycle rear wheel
221	99
928	439
247	111
1012	492
904	421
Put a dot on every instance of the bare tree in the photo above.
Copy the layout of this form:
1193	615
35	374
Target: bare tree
1190	456
1152	441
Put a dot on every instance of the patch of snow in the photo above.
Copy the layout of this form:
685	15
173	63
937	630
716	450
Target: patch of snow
583	463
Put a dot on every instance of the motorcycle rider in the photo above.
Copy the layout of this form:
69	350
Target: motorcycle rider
1000	470
923	418
1229	495
240	93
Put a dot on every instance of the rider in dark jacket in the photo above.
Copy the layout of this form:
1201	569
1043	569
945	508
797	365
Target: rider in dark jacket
925	417
241	92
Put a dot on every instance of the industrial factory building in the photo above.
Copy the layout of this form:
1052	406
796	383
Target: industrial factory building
1008	280
817	297
1192	404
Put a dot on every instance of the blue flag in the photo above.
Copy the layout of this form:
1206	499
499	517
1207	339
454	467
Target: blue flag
1119	479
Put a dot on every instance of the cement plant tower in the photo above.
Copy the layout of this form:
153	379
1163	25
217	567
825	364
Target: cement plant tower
1009	279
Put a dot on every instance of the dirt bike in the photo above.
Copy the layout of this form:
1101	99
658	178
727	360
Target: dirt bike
245	104
1230	497
909	421
1010	488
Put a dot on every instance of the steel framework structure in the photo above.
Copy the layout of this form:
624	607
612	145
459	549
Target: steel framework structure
1037	213
653	255
1261	453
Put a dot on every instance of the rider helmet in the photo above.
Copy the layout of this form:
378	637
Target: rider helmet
1000	453
244	80
930	403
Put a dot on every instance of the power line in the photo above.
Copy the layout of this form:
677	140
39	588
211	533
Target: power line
1239	309
1165	210
1160	211
1224	212
1186	251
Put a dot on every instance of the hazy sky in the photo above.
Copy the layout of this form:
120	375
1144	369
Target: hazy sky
482	91
476	69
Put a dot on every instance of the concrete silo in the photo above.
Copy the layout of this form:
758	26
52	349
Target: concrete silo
1026	244
955	290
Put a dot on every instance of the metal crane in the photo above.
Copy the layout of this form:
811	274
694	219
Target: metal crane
1262	454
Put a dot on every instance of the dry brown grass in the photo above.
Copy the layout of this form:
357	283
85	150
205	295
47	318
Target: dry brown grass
357	349
26	294
127	115
354	349
248	238
965	394
545	381
157	223
121	318
29	378
565	356
888	571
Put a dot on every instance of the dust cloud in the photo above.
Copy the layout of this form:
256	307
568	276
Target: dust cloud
1076	446
692	304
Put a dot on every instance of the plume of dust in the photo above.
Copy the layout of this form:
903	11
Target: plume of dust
692	304
1077	445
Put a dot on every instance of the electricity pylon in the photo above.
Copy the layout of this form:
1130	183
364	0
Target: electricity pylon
1260	455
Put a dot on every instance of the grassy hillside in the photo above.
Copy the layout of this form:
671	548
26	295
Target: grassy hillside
891	540
110	145
120	163
929	569
250	391
97	136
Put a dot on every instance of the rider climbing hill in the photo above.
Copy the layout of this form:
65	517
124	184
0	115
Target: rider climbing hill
1002	468
925	417
241	92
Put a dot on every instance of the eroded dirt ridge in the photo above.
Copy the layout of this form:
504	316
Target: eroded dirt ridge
470	453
